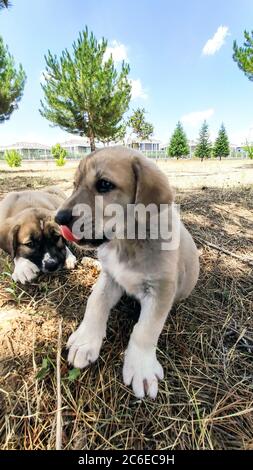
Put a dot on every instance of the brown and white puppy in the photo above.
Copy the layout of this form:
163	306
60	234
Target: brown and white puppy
156	277
29	234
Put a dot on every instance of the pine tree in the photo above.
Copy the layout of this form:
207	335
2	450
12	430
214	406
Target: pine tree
204	146
4	4
84	93
244	55
12	82
178	146
221	146
141	128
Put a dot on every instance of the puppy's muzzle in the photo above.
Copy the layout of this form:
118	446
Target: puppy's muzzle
49	264
63	217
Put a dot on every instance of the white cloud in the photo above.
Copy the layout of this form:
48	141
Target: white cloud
197	117
216	42
117	50
137	89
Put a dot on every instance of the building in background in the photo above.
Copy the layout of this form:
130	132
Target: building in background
80	147
149	145
77	147
237	151
28	150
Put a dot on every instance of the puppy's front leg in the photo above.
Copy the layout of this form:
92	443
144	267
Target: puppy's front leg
25	270
85	343
141	367
70	260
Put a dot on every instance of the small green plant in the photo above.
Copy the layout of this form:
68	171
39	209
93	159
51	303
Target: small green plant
13	158
45	369
59	154
12	288
74	374
248	148
60	161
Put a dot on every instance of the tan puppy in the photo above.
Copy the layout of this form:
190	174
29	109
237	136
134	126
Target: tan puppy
157	277
29	234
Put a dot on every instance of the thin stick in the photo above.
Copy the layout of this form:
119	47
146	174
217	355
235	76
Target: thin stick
58	445
223	250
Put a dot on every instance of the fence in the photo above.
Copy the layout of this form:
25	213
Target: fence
156	155
162	155
43	156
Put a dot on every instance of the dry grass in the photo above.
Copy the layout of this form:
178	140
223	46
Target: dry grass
206	349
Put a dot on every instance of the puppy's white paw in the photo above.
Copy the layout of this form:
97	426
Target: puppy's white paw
142	370
25	270
70	260
84	347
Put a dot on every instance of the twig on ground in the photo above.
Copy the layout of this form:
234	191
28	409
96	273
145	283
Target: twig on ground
223	250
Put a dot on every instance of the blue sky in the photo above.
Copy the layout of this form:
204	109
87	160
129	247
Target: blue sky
176	74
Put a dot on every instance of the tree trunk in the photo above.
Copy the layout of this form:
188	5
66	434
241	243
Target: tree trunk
202	158
92	143
220	157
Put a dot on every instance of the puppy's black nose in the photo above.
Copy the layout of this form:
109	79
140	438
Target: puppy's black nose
63	217
51	265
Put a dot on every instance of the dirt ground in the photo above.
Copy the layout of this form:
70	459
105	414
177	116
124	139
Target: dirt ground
206	347
182	173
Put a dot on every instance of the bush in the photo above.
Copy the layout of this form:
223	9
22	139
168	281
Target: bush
248	148
13	158
60	161
59	154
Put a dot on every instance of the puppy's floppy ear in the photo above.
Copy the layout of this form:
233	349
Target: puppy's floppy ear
152	186
46	219
44	215
9	238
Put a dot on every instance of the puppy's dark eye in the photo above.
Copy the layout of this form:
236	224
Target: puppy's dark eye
104	186
29	244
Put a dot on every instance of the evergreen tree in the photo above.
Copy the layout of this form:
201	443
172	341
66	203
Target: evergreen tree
12	82
4	4
178	146
84	93
244	55
204	146
221	146
141	128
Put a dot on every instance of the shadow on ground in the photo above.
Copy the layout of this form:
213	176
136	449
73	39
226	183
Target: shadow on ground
19	183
